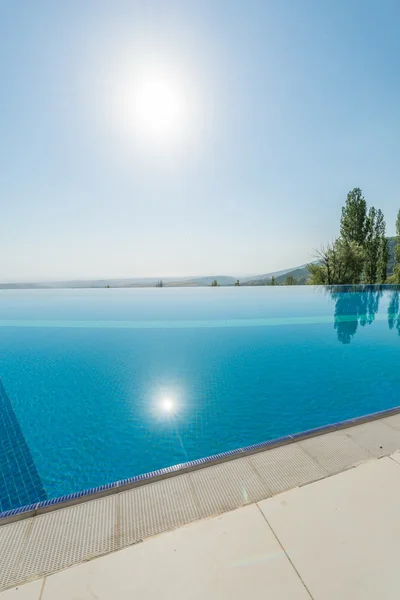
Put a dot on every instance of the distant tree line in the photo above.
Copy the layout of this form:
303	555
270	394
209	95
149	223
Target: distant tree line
360	254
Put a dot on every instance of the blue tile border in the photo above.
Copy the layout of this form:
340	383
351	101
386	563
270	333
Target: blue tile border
124	484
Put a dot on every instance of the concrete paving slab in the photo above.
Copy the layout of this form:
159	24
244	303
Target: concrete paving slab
230	557
343	533
29	591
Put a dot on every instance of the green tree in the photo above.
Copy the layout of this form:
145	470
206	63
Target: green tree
160	283
396	271
318	274
273	281
290	280
214	283
354	218
361	252
374	247
237	282
339	263
383	260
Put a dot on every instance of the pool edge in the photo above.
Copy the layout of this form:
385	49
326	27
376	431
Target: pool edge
96	493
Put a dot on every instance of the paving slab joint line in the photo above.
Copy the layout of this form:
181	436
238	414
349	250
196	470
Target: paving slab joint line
42	588
259	476
327	476
23	546
284	551
195	497
392	459
316	461
118	540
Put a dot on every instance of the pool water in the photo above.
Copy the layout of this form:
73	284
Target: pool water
106	384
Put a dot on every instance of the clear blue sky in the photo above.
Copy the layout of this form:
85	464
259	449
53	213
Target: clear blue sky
289	104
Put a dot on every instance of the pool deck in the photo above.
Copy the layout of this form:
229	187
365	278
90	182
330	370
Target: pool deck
298	520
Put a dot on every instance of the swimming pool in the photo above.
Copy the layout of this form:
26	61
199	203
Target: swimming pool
101	385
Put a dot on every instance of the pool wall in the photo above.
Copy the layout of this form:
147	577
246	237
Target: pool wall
20	482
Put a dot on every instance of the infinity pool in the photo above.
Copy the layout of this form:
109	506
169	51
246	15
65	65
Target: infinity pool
100	385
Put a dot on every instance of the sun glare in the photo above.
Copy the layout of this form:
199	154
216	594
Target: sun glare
167	405
158	108
153	109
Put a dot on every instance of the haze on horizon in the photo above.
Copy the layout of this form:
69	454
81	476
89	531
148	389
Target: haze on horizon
171	139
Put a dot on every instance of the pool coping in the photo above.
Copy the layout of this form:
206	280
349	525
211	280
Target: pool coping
32	510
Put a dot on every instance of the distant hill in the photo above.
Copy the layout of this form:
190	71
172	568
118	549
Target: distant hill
300	273
202	281
223	280
88	283
249	280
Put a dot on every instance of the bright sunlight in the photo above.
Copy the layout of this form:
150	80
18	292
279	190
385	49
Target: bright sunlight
154	101
153	109
159	108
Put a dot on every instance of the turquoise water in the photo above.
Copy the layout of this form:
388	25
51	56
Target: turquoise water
107	384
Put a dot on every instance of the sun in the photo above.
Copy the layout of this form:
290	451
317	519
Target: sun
158	106
159	109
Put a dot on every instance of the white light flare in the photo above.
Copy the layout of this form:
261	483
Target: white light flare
168	406
158	107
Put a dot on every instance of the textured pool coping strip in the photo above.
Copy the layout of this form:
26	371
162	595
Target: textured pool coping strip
44	544
179	469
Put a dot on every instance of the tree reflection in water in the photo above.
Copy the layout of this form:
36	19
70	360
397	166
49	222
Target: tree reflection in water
394	311
355	306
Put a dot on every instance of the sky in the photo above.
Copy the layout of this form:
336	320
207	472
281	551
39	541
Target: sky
195	137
